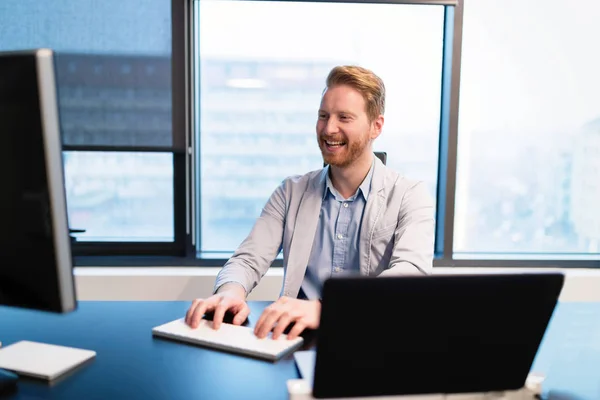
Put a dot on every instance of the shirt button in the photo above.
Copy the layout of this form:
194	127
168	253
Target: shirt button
340	236
346	205
337	269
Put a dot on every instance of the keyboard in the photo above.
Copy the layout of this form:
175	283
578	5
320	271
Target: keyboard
231	338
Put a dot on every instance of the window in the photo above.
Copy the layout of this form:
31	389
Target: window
528	177
120	196
113	66
180	117
261	69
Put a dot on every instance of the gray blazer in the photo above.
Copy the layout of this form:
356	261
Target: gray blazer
396	237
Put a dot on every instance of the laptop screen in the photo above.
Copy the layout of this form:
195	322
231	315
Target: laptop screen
431	334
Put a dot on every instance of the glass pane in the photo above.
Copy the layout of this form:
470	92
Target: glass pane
529	132
120	196
258	94
113	70
113	65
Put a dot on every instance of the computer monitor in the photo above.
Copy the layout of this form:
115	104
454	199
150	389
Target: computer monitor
36	270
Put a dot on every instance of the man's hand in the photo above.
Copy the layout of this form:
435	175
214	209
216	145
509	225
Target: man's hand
230	297
277	317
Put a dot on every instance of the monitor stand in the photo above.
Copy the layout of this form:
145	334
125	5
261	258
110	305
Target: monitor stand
8	382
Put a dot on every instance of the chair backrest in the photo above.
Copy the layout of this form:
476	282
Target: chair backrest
382	155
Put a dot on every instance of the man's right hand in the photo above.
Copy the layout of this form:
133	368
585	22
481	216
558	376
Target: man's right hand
230	297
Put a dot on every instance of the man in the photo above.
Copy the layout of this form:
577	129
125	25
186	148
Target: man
353	216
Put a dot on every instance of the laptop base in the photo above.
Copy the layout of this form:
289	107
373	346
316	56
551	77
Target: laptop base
301	389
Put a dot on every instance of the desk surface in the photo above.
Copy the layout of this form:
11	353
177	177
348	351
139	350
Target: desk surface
131	364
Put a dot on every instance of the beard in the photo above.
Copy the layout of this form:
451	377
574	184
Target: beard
345	156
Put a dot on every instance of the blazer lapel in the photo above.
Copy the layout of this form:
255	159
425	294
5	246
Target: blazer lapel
373	209
304	234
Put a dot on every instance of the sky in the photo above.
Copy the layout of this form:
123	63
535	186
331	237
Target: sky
530	66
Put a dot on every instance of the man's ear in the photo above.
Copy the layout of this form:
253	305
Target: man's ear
376	127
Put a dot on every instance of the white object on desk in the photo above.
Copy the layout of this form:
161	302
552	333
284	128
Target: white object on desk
40	360
234	338
301	389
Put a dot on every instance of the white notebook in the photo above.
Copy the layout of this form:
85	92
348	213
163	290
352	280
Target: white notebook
40	360
233	338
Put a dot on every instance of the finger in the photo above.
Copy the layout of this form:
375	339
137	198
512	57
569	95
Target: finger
220	310
190	311
266	312
262	318
203	306
296	330
241	316
285	319
269	322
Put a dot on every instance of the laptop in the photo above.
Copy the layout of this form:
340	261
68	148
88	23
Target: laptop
430	334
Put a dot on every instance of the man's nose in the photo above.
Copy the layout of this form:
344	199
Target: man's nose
331	126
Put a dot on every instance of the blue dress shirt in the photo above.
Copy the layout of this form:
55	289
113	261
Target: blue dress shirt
335	247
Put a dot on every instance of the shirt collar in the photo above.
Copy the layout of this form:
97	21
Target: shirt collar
364	188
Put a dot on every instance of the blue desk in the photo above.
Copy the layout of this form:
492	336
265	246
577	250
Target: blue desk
570	353
131	364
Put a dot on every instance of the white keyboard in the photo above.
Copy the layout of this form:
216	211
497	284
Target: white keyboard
233	338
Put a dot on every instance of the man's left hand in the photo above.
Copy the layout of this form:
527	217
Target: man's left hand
277	317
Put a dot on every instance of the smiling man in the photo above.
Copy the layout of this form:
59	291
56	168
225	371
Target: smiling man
355	216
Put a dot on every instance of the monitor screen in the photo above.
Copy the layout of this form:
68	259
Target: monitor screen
36	269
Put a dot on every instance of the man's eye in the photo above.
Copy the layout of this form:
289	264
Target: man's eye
322	116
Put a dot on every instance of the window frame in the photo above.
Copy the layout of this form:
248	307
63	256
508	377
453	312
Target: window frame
182	252
447	130
179	246
444	247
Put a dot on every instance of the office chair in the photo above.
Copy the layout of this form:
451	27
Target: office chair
382	155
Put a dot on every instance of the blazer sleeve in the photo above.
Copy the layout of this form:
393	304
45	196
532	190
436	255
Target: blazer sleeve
413	248
255	254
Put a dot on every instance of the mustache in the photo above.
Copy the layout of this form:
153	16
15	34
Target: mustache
332	138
